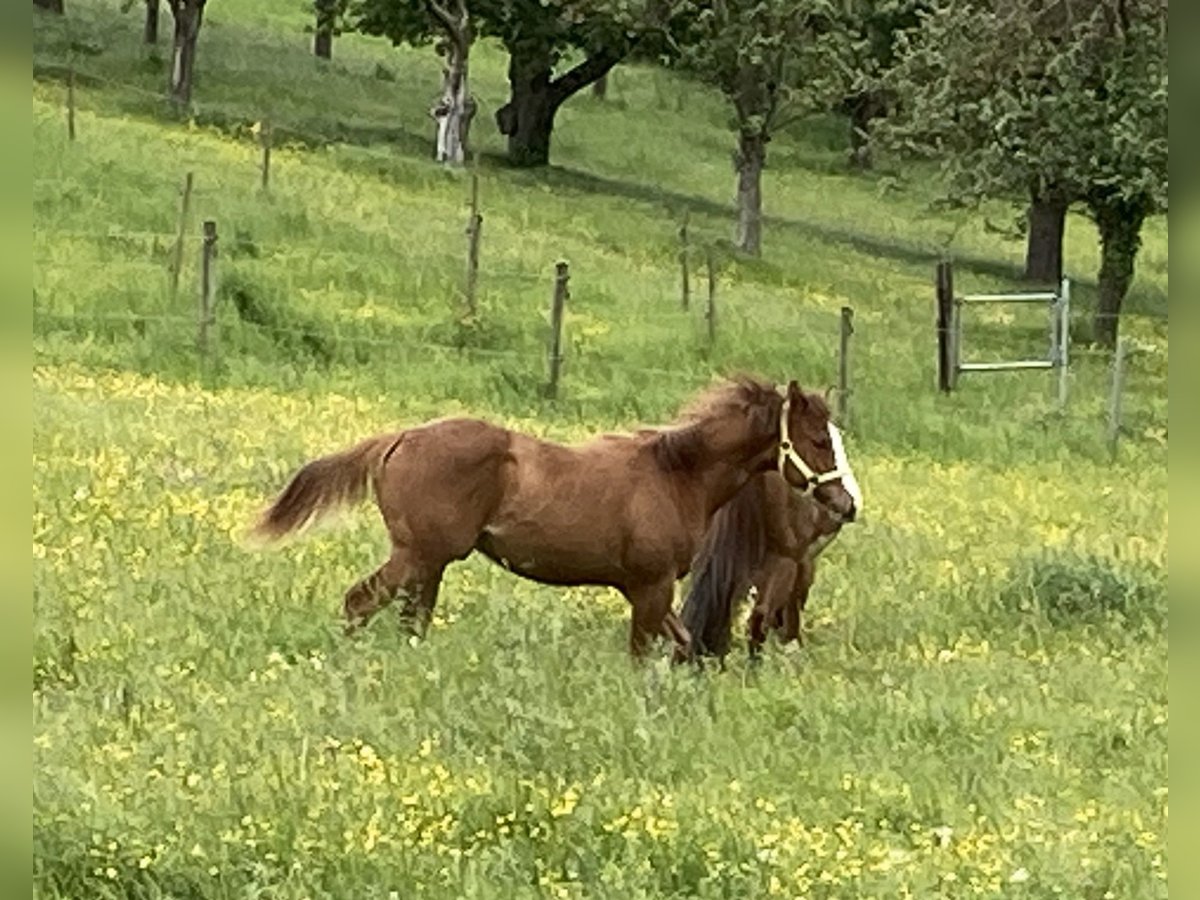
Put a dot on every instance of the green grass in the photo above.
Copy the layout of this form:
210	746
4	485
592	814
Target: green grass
980	707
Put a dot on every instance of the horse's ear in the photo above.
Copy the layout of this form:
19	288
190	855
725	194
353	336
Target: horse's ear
795	395
829	392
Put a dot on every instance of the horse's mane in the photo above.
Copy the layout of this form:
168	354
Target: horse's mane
681	447
733	549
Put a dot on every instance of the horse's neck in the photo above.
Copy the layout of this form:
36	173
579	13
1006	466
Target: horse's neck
719	482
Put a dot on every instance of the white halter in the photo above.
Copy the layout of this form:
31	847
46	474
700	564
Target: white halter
849	482
788	454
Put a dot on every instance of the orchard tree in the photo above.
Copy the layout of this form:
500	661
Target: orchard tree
538	35
328	15
872	27
149	23
774	60
418	22
188	15
1059	101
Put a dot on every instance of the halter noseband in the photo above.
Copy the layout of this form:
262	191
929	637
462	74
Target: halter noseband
787	453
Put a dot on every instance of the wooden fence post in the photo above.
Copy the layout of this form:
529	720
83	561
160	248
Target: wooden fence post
208	283
264	136
945	320
71	102
1116	388
177	255
847	329
561	277
685	285
474	230
710	312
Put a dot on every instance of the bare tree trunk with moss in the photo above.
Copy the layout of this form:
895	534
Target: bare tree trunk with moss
1047	216
749	159
600	87
188	15
456	107
1119	220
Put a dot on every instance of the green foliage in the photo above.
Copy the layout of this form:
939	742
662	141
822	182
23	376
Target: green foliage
1072	94
1072	587
556	26
772	59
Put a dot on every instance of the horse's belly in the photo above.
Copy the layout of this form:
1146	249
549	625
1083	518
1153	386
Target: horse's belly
552	559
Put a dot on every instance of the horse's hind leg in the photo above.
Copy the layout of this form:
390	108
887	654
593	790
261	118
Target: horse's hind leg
400	574
421	599
371	594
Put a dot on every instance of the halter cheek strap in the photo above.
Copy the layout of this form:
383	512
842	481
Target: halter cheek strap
788	454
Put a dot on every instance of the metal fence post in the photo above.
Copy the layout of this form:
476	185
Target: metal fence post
1064	339
561	277
847	329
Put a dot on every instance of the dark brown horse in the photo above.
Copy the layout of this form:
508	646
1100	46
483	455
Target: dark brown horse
764	542
627	511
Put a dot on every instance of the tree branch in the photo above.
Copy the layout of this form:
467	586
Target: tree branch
582	75
456	28
443	16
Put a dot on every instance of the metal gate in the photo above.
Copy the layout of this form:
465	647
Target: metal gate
950	332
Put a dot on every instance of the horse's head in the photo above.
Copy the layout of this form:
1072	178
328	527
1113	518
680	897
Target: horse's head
811	455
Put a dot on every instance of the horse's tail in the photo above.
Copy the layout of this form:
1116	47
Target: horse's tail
324	484
733	548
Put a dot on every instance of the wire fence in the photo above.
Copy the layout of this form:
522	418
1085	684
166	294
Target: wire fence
330	342
701	302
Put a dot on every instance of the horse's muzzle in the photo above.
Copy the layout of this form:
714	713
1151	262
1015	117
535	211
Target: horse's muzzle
838	502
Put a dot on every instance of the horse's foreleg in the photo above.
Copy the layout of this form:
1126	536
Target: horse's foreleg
793	610
651	606
677	631
774	588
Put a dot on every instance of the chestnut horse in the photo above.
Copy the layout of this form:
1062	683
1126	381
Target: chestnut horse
626	511
765	541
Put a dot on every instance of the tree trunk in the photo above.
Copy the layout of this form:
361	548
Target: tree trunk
1120	223
150	29
862	108
188	14
749	159
528	117
456	107
326	11
1047	216
50	6
600	87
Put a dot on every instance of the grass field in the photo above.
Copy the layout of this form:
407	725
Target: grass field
980	708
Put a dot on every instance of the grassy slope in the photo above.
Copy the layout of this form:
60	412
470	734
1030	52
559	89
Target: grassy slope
203	729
